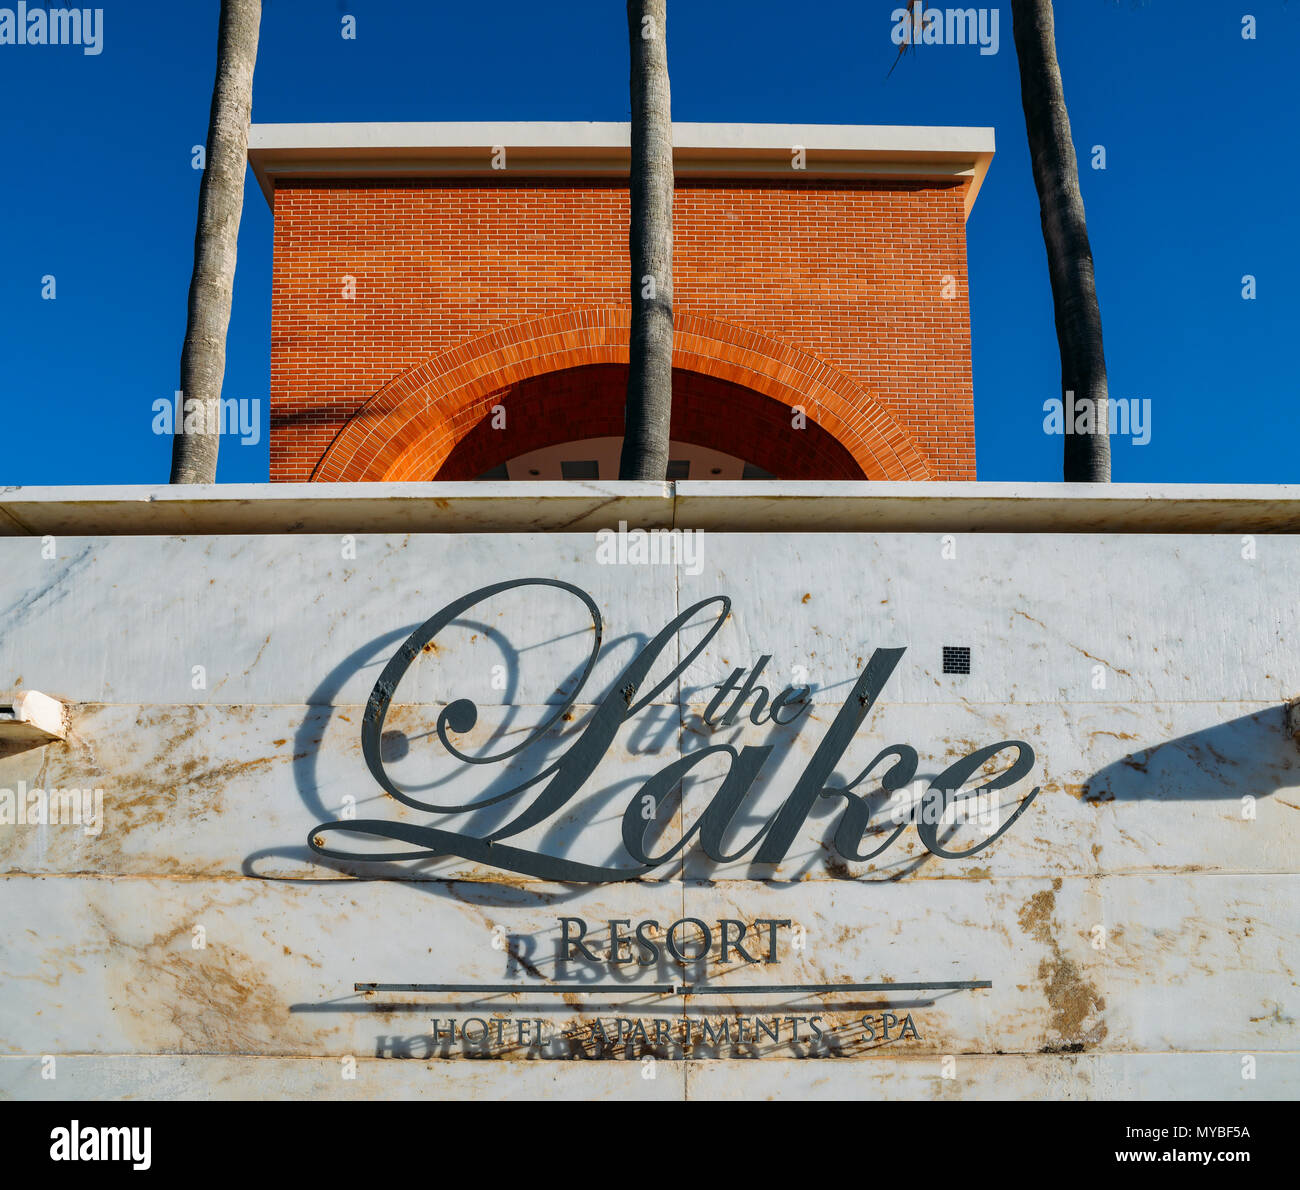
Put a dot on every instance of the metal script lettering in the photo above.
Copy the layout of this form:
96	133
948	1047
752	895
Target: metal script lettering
568	773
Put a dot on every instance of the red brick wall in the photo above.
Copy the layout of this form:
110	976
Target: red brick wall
850	272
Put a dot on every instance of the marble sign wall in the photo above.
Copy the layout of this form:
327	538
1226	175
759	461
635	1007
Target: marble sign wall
1131	933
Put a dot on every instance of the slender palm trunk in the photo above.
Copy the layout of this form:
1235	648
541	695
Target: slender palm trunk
212	284
650	241
1065	232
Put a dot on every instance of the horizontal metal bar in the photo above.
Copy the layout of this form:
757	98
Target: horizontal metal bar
667	989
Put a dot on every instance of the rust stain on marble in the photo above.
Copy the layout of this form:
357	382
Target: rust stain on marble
1074	1001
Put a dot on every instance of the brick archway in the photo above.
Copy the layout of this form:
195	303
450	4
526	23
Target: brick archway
411	427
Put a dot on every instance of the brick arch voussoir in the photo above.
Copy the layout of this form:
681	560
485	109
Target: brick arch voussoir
419	416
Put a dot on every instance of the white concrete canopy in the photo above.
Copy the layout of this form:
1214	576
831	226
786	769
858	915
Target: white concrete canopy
577	149
719	506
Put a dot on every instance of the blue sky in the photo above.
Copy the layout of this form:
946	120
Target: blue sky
1200	189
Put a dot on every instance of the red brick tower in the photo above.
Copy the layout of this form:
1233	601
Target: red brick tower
450	300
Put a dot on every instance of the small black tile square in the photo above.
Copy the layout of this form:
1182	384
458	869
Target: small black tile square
956	659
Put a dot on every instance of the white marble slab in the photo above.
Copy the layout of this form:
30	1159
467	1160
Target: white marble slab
1179	787
294	620
207	1076
1007	1077
1122	1077
1137	924
1195	964
1047	618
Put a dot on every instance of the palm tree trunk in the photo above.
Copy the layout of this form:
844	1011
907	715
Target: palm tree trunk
221	203
1065	232
650	242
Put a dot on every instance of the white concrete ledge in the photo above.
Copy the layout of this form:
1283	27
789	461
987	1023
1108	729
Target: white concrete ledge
562	149
30	717
745	507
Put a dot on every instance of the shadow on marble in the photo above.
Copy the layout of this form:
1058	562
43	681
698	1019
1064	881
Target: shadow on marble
1205	765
